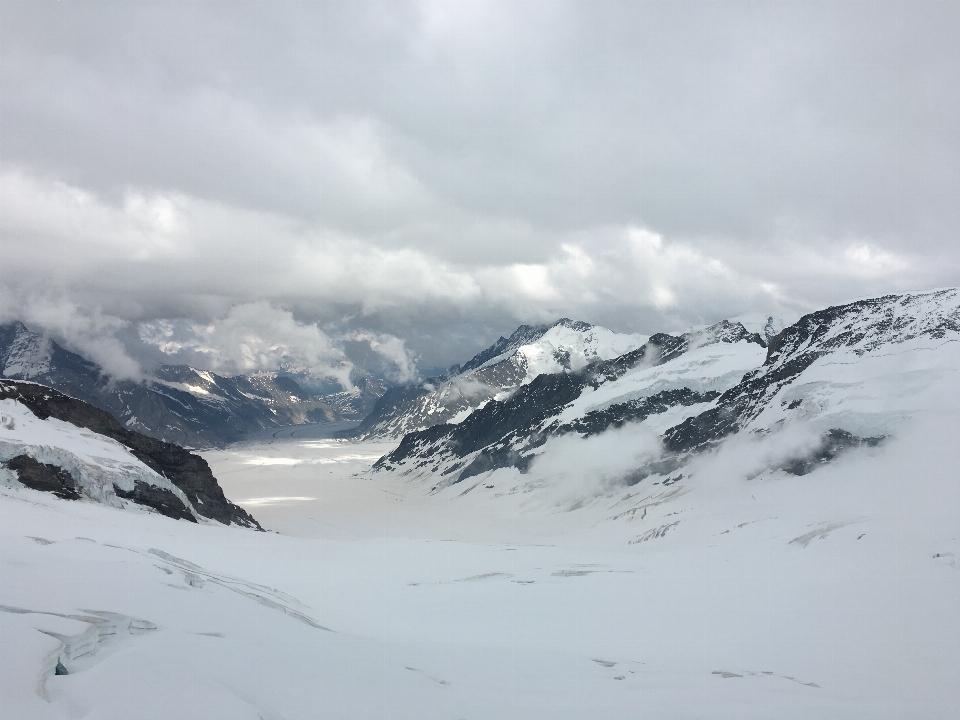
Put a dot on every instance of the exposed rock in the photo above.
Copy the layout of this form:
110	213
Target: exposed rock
185	470
619	414
833	443
160	499
44	477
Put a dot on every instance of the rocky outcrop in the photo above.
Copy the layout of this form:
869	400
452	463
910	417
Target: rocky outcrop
160	499
832	444
860	327
185	470
44	477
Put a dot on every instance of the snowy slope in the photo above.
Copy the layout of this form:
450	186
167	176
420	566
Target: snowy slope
655	557
815	597
58	444
863	365
670	377
98	464
495	374
836	380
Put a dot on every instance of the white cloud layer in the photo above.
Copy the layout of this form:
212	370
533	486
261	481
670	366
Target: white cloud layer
441	172
220	286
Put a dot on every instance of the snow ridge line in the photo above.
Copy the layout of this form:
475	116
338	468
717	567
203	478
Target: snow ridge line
266	596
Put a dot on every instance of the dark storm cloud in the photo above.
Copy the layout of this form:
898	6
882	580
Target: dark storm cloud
441	171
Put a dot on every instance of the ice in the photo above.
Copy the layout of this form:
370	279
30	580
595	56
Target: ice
97	463
718	367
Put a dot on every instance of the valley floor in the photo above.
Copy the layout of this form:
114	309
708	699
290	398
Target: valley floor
832	595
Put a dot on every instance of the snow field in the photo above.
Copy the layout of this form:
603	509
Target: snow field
827	595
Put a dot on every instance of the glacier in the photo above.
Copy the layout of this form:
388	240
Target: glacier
680	543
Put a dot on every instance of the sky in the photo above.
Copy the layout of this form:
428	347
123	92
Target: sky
243	186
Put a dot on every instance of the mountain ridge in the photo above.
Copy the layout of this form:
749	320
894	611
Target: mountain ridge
494	373
666	385
179	403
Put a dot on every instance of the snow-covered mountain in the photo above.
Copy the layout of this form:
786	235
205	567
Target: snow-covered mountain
181	404
838	379
54	443
729	523
496	373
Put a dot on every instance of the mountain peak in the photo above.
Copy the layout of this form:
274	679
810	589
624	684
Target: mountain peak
577	325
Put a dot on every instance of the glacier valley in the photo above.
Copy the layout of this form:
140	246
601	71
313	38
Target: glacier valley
735	522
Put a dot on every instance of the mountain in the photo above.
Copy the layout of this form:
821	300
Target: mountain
677	373
55	443
180	404
566	346
843	378
834	367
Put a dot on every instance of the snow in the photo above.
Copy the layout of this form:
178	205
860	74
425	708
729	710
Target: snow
582	347
718	367
870	394
29	355
566	346
727	588
827	595
97	463
192	389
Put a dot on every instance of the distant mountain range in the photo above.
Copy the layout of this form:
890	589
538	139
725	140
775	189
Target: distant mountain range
180	404
839	379
842	378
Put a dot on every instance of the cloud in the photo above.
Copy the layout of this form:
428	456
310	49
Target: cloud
442	172
573	469
88	332
173	264
402	365
251	337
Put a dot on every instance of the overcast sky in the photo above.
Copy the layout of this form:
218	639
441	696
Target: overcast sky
239	185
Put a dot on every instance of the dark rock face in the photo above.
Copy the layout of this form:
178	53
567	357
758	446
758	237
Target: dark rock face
833	443
161	500
187	471
619	414
44	477
502	433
